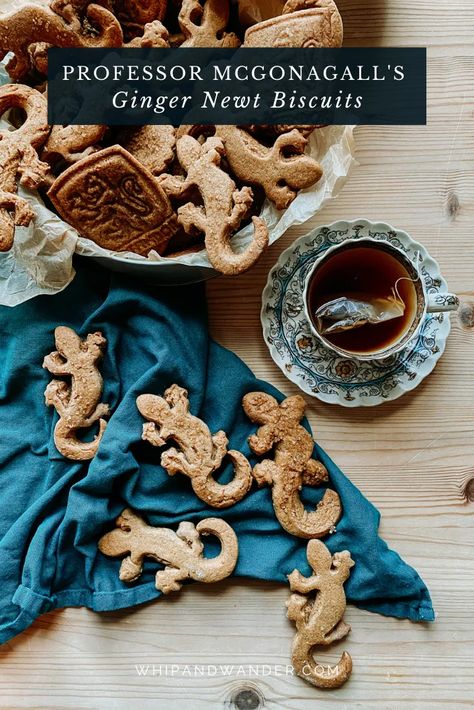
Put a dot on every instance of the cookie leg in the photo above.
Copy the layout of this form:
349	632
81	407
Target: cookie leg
174	461
22	212
57	394
301	584
242	202
152	435
65	9
56	364
177	398
187	532
192	218
339	632
32	170
294	140
220	442
130	569
265	472
315	473
169	579
295	606
102	410
173	185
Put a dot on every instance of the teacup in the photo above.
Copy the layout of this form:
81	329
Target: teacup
419	301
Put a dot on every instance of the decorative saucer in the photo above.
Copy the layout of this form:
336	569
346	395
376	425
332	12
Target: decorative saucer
316	369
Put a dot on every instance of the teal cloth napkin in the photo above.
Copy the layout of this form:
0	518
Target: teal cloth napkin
54	510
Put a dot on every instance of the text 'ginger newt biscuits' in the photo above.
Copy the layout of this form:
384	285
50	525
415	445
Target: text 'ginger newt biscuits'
110	198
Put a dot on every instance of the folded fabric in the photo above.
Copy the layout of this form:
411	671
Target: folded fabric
54	511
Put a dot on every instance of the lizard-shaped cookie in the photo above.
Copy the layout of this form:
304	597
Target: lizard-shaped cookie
292	464
77	401
281	170
319	620
19	161
223	207
181	552
199	454
36	25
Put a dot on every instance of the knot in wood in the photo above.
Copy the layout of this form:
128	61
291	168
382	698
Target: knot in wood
466	315
247	697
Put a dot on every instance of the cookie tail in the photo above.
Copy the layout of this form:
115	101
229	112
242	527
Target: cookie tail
217	568
73	448
229	262
321	675
221	495
309	524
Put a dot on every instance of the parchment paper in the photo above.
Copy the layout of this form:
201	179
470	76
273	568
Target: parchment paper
40	261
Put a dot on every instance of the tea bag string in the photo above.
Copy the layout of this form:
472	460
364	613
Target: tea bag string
395	290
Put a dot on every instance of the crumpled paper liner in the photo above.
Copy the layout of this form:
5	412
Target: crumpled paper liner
40	261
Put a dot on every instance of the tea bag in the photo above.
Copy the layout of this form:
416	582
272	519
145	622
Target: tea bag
358	309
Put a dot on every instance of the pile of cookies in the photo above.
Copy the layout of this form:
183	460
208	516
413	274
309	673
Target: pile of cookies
188	447
152	188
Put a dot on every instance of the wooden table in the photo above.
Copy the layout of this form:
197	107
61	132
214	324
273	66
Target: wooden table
413	458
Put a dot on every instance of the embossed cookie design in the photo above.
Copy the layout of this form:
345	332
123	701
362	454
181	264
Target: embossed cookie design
319	26
110	198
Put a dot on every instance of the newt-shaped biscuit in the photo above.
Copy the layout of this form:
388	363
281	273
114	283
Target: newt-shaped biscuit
199	454
281	170
77	401
19	161
153	34
181	552
35	24
204	25
72	143
292	465
223	207
319	620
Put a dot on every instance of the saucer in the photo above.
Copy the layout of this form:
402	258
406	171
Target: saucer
316	369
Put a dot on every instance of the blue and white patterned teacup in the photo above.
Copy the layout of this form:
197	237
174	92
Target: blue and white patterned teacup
425	302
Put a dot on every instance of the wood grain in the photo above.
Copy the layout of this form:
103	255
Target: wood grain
414	458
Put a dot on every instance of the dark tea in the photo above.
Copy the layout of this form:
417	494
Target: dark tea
370	273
